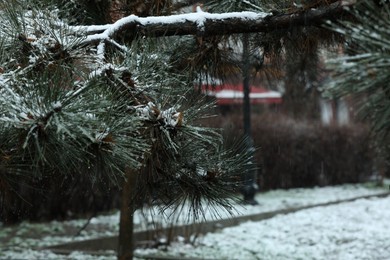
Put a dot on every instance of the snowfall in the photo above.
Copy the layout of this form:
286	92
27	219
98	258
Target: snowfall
358	229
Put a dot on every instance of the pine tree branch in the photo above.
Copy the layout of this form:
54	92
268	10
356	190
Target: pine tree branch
207	24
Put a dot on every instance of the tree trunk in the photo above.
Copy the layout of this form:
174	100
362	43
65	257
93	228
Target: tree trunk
301	97
128	207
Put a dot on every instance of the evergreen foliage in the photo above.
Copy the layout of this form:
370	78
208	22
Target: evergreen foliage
70	108
365	67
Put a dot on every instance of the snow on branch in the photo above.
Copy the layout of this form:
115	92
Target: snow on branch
206	24
181	24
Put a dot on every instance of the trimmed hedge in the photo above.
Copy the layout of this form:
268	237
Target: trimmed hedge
304	154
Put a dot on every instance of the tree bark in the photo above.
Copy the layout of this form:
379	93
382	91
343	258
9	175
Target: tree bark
128	207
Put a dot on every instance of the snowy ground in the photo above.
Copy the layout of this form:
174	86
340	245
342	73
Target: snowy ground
353	230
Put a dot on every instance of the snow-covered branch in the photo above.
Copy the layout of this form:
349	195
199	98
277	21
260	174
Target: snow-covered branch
206	24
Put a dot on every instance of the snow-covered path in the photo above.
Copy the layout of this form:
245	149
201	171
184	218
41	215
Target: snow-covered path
350	230
353	230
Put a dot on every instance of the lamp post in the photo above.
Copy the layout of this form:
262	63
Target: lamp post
249	176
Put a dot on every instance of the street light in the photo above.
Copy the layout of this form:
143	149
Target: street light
249	176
